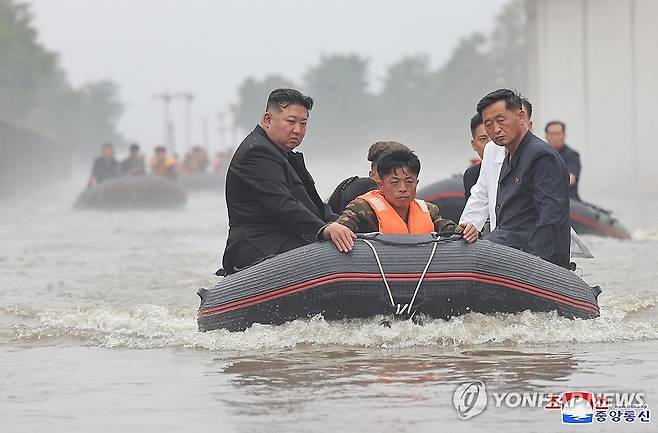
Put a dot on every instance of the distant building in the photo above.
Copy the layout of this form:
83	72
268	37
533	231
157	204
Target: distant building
594	65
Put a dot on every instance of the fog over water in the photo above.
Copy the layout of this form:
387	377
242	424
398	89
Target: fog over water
208	47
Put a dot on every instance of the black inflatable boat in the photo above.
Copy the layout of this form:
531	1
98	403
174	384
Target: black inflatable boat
203	182
133	192
398	275
586	219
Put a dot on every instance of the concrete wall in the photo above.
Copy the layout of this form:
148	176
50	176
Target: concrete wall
594	65
29	160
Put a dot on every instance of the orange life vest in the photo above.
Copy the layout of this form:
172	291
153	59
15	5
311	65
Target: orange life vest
389	220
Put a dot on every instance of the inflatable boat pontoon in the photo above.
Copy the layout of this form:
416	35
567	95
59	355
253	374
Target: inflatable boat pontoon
399	275
203	182
133	192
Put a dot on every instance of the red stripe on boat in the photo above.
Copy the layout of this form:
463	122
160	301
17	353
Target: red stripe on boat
598	226
435	276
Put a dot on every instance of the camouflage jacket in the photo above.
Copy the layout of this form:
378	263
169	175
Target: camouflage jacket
361	218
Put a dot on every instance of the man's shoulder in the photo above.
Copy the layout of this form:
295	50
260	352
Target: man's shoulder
254	139
256	145
542	153
359	210
359	205
570	151
434	209
363	181
493	151
536	147
473	170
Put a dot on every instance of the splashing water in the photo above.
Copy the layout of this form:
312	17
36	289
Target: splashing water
151	326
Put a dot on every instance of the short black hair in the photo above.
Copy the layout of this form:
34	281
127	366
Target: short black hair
281	98
398	158
380	147
134	146
512	100
475	122
556	122
160	149
527	106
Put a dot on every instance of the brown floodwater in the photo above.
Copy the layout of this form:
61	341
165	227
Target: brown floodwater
98	332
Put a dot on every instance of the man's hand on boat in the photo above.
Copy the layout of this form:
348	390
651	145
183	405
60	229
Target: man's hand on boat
342	237
469	232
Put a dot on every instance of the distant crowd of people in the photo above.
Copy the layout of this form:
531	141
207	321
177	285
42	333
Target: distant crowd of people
161	164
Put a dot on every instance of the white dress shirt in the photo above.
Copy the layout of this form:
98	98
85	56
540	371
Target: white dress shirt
482	202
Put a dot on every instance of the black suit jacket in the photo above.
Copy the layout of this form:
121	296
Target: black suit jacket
572	160
532	205
272	202
471	176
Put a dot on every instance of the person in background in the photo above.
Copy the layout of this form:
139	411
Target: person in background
203	159
393	208
196	161
105	166
479	139
352	187
134	164
532	208
555	135
273	206
221	161
163	165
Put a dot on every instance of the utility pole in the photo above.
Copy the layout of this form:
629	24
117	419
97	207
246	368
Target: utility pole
168	129
204	132
188	98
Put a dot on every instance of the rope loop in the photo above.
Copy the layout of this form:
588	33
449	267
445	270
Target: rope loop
401	309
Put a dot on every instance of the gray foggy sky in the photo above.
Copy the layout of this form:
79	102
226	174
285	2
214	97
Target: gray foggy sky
208	47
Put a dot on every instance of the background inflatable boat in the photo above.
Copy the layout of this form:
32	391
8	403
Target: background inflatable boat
586	219
456	278
203	182
133	192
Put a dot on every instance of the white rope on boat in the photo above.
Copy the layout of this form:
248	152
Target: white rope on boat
400	309
381	269
422	276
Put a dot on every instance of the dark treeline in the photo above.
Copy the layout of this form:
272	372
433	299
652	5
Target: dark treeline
36	95
415	101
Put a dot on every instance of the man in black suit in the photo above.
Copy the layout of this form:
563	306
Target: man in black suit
272	202
479	139
555	135
532	206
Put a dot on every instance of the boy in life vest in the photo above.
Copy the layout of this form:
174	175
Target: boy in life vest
393	208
